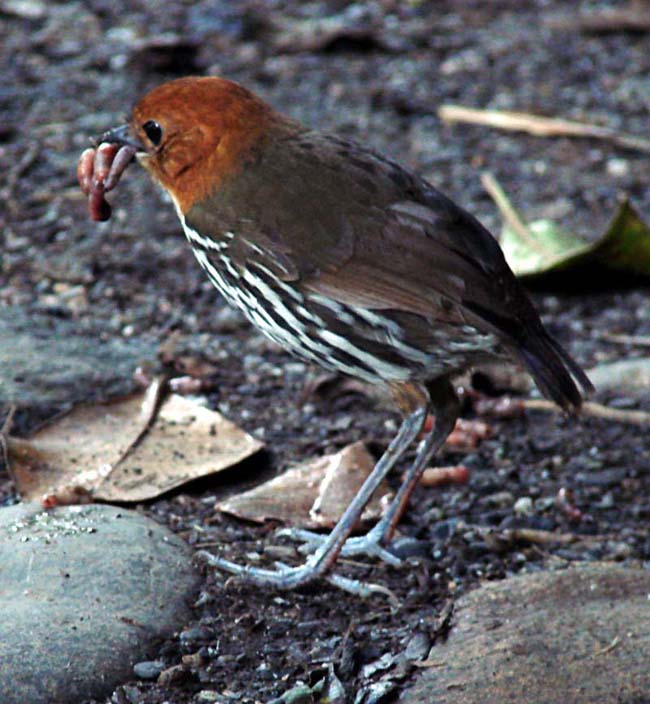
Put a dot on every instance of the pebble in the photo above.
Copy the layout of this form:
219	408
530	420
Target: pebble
604	477
380	693
523	506
418	646
330	689
172	675
607	501
301	694
198	634
148	669
444	530
617	550
618	167
132	694
533	521
87	594
410	547
500	499
386	661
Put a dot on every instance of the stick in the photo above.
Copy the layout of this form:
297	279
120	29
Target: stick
508	213
637	340
594	410
540	126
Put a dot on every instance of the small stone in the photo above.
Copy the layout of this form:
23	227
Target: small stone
194	660
198	634
172	675
418	646
410	547
332	690
132	694
386	661
606	501
444	530
25	9
380	693
618	167
148	669
523	506
618	550
624	402
208	696
603	477
298	695
500	499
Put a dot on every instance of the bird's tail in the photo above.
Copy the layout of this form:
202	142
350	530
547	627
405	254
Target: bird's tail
556	373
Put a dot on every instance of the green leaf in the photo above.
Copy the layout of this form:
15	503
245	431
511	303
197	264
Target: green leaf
542	248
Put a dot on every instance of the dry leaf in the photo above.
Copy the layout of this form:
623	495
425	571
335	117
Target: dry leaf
312	495
76	451
114	451
186	441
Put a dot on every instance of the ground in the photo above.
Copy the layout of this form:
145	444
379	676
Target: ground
74	69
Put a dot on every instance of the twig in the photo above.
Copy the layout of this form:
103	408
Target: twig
594	410
540	126
634	18
638	340
508	213
18	169
538	536
610	647
4	434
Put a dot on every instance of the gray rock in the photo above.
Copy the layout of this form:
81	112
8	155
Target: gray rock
86	593
48	362
576	636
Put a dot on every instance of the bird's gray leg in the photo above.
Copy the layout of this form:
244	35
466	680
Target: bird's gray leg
445	403
446	406
326	553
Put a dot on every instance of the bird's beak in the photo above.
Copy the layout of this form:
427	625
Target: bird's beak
122	135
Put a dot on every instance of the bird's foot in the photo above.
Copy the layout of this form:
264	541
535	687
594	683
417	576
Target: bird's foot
286	577
368	545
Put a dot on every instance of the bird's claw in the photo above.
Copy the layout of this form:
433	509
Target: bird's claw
369	545
286	577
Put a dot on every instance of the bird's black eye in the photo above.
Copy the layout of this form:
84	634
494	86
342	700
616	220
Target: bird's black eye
153	131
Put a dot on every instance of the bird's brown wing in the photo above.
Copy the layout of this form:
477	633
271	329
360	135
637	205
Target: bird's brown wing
421	255
342	221
441	264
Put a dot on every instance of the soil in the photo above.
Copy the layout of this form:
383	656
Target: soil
376	72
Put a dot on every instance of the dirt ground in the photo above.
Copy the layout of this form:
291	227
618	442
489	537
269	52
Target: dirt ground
376	72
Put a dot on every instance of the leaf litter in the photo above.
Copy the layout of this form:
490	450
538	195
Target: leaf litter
130	449
314	494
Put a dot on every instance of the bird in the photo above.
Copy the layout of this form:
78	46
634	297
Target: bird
347	260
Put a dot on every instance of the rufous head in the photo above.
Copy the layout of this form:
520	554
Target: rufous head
193	132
